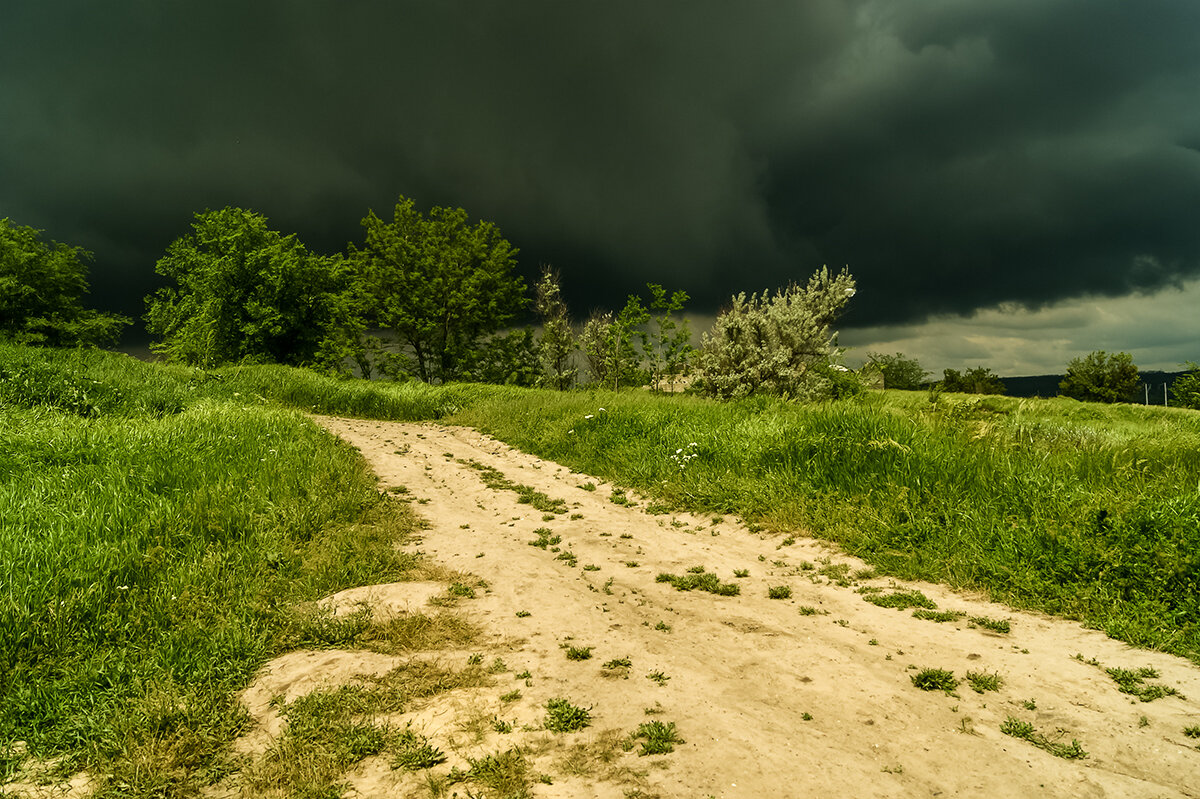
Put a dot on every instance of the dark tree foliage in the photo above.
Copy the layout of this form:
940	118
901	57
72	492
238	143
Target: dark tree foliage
974	381
440	283
898	371
1186	388
510	358
243	292
1101	377
42	286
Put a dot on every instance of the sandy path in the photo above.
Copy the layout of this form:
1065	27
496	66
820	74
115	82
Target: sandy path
770	701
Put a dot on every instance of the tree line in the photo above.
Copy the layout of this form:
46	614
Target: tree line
434	296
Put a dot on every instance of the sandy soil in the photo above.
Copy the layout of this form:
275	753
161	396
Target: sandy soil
770	701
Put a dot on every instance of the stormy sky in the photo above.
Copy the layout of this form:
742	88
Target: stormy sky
1013	183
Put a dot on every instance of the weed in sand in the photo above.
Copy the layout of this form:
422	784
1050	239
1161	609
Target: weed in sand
658	677
501	726
591	567
568	557
523	614
663	627
1029	704
412	751
498	666
779	592
996	626
935	680
545	538
938	615
562	716
495	479
504	774
511	696
699	581
901	600
982	681
1026	731
1133	682
658	738
579	652
461	591
808	610
1191	732
806	716
741	572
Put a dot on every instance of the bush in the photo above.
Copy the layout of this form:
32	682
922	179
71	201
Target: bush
777	344
1186	388
1100	377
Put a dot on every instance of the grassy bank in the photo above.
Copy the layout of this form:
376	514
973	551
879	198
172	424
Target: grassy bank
161	530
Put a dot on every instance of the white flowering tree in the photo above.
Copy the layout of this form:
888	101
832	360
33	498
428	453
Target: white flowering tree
780	344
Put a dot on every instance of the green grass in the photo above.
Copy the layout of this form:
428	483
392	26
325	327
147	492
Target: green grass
657	738
699	581
935	680
164	529
1026	731
562	716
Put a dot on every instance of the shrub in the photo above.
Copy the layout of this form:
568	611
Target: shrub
776	344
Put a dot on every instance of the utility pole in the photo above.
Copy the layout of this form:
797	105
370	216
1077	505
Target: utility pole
1146	386
1164	395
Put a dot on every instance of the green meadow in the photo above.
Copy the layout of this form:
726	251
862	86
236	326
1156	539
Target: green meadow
164	529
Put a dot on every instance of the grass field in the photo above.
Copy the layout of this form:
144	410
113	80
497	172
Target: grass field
162	524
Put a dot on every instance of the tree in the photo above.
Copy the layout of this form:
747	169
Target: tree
778	343
244	292
506	358
41	292
608	344
1100	377
1185	389
440	283
898	371
976	381
557	342
672	350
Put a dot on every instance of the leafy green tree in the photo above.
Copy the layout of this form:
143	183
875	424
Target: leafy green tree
241	291
1185	389
510	358
975	381
898	371
557	343
608	341
779	344
440	283
1100	377
42	286
671	352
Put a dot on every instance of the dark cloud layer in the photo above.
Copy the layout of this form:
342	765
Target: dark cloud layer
955	155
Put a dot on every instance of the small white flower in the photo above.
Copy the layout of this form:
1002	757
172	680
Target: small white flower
679	450
589	416
122	588
602	409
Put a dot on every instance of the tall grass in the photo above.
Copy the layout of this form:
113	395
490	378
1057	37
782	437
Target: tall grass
154	543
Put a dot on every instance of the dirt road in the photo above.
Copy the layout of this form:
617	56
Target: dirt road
809	695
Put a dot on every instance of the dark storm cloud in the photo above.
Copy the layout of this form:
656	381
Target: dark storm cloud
955	155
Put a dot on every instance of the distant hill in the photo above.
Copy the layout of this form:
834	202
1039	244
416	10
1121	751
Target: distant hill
1047	385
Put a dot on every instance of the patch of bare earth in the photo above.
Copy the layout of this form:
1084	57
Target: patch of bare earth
771	698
